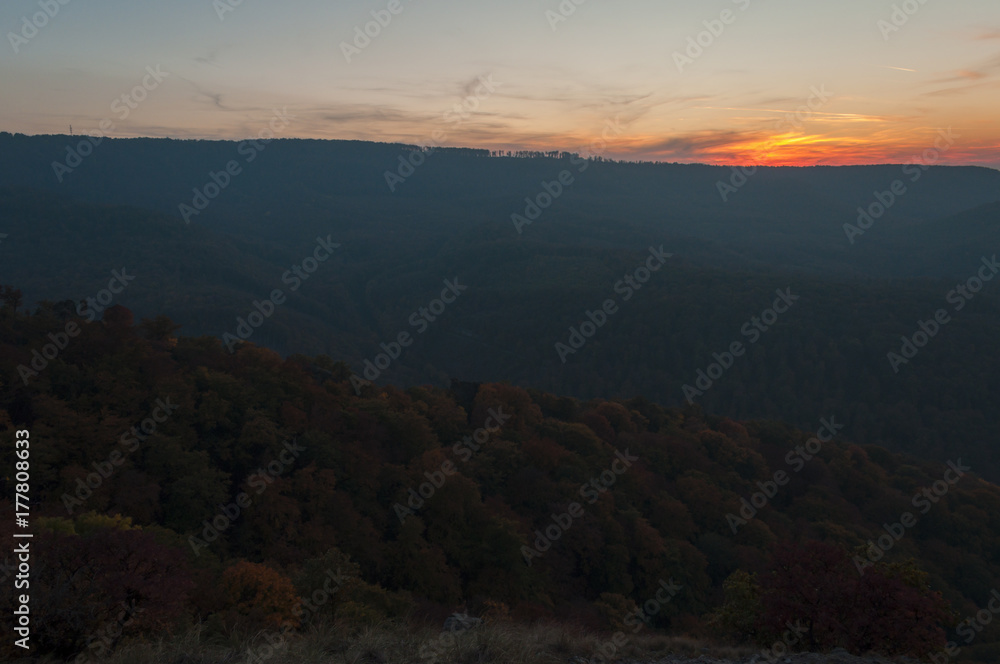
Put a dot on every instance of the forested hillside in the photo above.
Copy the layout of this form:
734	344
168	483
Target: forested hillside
163	463
286	191
520	299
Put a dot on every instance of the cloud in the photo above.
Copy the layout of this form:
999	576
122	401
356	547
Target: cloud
968	78
698	144
968	73
202	95
211	59
468	88
372	114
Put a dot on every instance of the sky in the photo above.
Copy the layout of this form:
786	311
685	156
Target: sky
795	82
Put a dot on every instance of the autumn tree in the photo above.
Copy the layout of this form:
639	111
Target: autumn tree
98	579
258	597
890	609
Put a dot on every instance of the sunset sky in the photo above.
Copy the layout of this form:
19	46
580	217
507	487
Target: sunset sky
557	85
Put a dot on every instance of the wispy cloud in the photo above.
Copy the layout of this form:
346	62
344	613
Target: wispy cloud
212	58
967	79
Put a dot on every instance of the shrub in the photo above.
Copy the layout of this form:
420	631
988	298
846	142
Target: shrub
614	609
890	608
258	597
91	590
740	612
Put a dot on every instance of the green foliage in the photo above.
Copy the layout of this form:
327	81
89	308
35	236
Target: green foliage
740	612
86	523
369	604
614	608
331	585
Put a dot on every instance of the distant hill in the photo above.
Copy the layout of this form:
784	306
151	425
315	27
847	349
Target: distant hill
951	245
293	188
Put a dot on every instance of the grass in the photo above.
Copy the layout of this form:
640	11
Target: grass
399	643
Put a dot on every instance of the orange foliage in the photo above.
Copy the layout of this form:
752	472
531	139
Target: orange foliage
259	594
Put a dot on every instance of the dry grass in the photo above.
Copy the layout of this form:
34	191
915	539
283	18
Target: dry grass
396	643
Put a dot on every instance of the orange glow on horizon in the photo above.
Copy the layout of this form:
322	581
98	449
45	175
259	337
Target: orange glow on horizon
795	149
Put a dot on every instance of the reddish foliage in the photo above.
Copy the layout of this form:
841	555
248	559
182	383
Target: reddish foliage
93	589
816	585
264	597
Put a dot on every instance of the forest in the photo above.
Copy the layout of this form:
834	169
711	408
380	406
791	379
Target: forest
847	343
163	463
